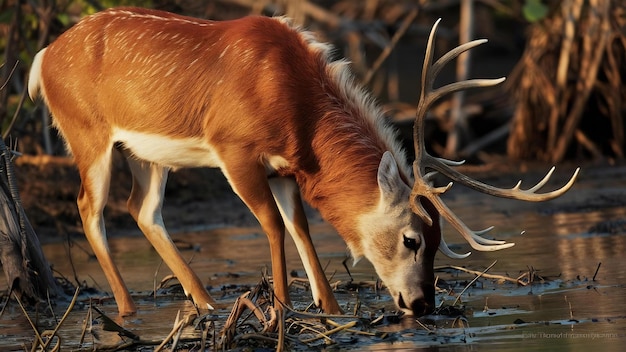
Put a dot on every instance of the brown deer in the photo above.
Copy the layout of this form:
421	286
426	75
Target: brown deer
263	101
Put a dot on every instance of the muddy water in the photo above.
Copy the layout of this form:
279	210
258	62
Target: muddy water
565	240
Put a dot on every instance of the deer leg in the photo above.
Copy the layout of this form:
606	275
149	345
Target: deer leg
287	197
249	182
144	204
92	198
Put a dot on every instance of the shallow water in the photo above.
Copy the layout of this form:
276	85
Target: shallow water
569	311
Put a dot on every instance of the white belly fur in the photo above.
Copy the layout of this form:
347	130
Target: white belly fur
167	151
181	152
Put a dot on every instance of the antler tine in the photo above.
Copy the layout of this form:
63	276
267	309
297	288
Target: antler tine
472	237
430	71
453	54
443	247
428	96
515	192
456	86
539	184
422	106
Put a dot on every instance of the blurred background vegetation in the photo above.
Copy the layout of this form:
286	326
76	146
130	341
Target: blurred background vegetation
565	62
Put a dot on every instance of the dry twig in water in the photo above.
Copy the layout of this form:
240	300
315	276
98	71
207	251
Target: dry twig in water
483	274
472	282
49	334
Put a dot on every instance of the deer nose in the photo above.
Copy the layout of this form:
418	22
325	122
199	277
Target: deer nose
422	306
426	303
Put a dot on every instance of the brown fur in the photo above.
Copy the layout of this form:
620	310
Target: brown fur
265	106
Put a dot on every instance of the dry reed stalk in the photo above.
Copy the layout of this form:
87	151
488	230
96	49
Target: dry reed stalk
49	334
594	47
472	282
177	330
406	23
483	274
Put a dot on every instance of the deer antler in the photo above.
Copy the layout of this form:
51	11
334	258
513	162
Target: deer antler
422	186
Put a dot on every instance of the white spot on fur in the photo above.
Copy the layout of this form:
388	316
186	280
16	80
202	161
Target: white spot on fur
192	63
274	163
224	51
171	70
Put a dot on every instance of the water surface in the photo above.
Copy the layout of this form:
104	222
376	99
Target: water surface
564	240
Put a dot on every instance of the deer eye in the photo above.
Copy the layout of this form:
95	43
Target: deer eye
411	243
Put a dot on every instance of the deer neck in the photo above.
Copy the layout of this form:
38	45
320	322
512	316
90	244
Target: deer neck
343	185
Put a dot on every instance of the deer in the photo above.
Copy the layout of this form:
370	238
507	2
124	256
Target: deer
264	101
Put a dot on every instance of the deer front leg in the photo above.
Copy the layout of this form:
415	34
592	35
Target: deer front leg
287	195
249	182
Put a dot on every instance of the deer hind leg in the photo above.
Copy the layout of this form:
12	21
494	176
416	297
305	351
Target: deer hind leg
144	204
92	198
287	196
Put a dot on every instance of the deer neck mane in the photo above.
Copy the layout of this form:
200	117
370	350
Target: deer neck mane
351	137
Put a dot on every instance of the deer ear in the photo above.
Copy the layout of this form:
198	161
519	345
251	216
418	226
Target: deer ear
388	174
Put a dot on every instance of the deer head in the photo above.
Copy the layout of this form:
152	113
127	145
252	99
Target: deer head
417	245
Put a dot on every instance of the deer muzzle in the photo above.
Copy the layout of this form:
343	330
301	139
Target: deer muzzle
421	303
